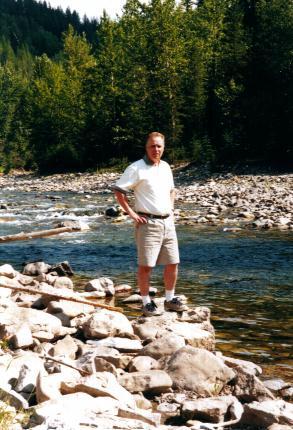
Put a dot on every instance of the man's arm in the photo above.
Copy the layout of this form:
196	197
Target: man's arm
173	196
123	202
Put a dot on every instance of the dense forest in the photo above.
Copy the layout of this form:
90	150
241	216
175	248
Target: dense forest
215	76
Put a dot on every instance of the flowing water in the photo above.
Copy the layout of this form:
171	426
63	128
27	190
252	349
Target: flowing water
245	278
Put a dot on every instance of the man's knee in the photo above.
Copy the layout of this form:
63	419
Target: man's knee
144	270
171	267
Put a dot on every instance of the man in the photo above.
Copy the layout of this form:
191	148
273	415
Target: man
151	180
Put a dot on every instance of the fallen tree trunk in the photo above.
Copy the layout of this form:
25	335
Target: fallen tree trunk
72	297
38	234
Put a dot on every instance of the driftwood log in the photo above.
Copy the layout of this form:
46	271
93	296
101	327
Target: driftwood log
72	297
38	234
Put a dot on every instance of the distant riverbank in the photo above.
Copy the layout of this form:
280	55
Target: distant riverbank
231	200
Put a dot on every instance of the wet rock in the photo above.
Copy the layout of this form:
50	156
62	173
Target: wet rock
36	268
213	409
62	269
134	298
104	323
152	381
268	412
198	370
113	211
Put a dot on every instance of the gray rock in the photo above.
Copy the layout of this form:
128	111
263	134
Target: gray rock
279	427
37	268
154	381
198	370
268	412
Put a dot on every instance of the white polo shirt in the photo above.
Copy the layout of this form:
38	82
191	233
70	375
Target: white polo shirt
151	184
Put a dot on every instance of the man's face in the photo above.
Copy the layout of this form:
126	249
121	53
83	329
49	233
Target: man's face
155	148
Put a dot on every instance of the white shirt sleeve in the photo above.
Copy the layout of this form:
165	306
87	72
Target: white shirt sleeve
128	180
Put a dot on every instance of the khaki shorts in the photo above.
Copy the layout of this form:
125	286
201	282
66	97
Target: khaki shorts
156	242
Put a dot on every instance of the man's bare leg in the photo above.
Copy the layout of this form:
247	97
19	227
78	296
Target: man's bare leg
172	303
170	276
143	280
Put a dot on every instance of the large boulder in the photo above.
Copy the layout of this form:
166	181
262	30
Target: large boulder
153	381
198	370
267	413
104	323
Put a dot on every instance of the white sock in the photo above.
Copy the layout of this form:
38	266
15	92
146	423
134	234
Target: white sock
146	300
169	295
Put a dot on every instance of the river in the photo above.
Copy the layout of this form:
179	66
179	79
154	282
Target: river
245	278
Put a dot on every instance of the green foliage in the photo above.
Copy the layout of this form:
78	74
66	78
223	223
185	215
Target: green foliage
215	76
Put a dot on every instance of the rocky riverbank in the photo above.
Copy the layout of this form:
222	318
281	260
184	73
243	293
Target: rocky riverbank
69	365
231	201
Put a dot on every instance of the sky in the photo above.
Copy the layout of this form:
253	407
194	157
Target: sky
91	8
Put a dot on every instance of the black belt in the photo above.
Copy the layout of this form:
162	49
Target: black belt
154	216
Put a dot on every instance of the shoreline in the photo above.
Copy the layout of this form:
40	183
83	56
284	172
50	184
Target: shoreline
144	373
231	201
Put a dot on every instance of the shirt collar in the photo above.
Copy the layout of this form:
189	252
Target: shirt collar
147	160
